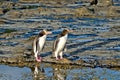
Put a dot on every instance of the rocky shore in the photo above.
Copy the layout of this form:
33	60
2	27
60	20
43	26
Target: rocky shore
95	42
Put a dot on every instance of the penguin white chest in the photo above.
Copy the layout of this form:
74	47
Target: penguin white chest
62	43
42	41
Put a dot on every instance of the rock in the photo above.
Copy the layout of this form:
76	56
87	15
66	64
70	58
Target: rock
29	13
105	2
12	60
110	63
1	11
7	4
13	14
4	60
29	1
2	21
49	15
64	60
110	11
27	54
113	11
83	11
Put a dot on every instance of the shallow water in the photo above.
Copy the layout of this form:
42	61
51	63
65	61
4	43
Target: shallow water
14	73
45	72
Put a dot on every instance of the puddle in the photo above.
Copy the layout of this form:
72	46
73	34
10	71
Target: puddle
45	72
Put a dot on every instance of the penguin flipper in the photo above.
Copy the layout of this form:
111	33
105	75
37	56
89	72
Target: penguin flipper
37	45
55	44
65	48
34	45
42	47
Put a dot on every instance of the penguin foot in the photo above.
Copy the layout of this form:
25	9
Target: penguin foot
57	59
38	59
61	57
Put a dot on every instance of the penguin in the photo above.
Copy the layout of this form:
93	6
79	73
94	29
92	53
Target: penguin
38	44
60	43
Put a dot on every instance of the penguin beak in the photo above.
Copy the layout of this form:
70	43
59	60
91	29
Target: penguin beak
48	32
71	31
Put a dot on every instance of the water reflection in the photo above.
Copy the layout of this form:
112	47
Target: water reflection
68	72
59	74
14	73
37	72
45	71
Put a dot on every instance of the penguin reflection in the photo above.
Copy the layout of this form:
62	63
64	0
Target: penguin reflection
59	74
38	72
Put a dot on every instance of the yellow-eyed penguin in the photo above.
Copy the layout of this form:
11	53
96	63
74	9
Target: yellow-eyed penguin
59	44
38	44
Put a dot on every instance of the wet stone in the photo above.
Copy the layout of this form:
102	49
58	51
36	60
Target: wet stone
1	11
12	60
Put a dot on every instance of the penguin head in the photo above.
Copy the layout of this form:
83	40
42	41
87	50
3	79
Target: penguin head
44	32
66	31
